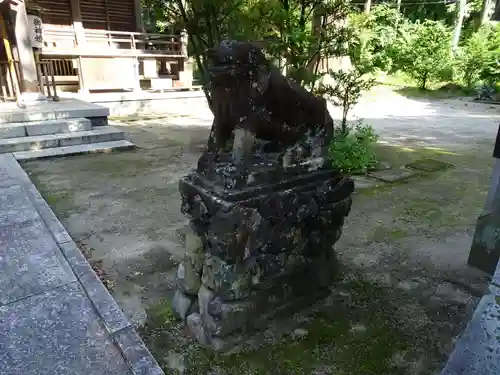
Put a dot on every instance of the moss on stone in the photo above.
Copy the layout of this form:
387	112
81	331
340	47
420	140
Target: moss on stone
429	165
161	315
331	344
61	201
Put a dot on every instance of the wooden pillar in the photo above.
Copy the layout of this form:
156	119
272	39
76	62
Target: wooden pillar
139	27
30	90
76	16
138	16
496	14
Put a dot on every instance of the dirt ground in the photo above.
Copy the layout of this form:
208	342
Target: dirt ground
404	294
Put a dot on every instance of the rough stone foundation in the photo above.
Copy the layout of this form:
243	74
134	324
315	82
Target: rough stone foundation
248	259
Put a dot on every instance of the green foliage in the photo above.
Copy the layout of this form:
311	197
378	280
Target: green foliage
373	36
346	90
298	34
354	150
478	60
425	53
473	57
161	315
419	12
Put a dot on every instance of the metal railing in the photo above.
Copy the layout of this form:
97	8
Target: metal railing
9	84
46	79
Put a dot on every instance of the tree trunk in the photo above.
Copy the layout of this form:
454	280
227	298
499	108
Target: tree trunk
193	35
398	8
485	8
424	81
317	23
368	5
458	26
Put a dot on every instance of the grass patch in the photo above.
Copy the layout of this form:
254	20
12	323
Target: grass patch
429	165
61	201
330	344
383	233
398	156
129	163
355	337
444	92
53	199
422	209
162	315
405	86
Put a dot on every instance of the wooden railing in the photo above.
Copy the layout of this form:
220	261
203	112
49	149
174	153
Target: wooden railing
103	42
46	79
88	59
9	84
64	68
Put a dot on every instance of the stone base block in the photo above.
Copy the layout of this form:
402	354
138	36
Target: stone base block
221	324
259	250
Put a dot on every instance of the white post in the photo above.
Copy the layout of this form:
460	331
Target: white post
185	63
30	90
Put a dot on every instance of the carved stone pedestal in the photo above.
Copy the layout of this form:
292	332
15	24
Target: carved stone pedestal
257	250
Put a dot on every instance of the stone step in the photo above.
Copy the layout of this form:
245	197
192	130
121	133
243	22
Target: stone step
23	129
96	135
101	147
50	110
12	130
58	126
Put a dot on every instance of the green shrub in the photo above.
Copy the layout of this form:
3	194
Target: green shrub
478	59
490	74
373	36
354	150
397	51
425	54
346	90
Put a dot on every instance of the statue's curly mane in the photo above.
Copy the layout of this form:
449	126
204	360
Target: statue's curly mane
249	93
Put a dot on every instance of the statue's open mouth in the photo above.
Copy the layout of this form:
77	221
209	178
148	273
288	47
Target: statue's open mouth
219	64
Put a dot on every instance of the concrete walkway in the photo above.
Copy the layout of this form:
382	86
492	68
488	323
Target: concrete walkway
477	352
56	317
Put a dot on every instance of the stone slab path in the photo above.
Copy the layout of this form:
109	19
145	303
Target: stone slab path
56	317
477	352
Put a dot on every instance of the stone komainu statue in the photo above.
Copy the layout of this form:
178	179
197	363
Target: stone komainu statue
265	211
252	96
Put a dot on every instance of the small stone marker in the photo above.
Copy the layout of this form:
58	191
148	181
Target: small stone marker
381	166
429	165
363	182
486	242
495	280
393	175
485	249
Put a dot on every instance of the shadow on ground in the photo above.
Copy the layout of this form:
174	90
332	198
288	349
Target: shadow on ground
405	292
